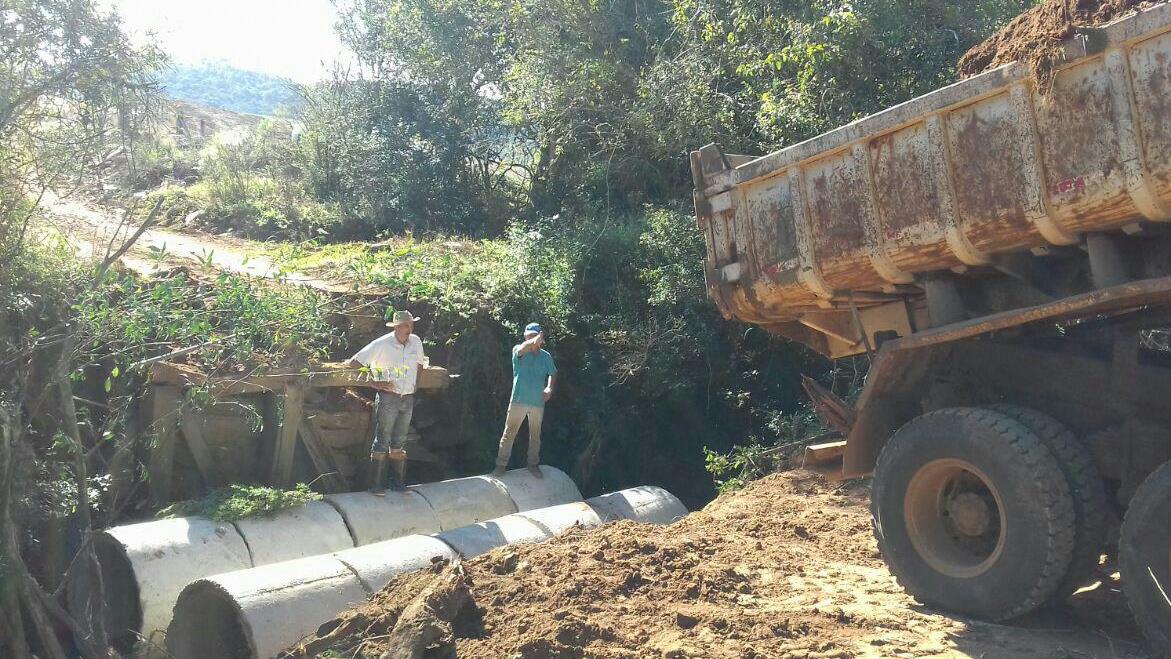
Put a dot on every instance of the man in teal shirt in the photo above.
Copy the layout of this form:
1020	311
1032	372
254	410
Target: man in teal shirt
533	377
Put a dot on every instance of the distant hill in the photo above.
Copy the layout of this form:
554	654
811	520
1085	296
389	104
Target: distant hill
228	88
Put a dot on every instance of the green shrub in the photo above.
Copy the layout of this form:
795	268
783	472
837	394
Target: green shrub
238	322
235	502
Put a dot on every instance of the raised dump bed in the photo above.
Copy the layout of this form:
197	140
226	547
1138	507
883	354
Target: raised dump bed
832	241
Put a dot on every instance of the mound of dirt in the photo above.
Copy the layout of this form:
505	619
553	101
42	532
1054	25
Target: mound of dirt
1035	36
786	567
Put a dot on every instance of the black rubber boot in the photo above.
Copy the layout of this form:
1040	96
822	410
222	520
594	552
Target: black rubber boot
398	475
376	482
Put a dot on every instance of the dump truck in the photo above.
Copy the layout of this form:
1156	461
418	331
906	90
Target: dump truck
1001	249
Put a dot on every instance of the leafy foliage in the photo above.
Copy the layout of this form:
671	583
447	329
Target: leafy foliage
236	321
224	86
251	183
235	502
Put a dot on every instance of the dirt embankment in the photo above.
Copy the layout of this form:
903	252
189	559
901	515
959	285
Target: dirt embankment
785	568
1035	36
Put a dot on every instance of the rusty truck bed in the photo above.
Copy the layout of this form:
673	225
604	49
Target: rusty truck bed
851	219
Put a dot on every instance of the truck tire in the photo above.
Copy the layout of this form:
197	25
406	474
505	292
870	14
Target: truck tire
1090	505
1144	557
972	513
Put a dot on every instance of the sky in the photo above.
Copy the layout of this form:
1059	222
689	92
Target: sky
287	38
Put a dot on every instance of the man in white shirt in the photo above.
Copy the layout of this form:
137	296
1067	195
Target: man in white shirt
393	362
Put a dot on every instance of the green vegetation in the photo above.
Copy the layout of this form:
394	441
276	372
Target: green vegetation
524	160
228	504
235	322
489	163
746	462
224	86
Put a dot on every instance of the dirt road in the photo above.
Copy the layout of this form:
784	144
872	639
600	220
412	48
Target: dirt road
92	230
785	568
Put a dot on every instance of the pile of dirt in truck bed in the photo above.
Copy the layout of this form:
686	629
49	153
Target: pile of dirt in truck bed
786	567
1034	37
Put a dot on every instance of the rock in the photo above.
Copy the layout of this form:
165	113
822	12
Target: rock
685	621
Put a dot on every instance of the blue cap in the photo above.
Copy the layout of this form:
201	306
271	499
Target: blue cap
533	328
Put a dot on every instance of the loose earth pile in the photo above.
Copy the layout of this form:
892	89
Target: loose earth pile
786	567
1035	36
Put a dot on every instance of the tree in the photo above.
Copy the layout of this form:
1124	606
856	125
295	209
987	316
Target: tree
72	88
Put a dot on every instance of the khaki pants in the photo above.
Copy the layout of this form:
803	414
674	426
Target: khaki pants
516	414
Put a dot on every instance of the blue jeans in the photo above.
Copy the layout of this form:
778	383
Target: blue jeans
392	419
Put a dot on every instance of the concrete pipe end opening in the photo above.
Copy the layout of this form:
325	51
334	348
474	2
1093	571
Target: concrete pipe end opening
122	609
208	623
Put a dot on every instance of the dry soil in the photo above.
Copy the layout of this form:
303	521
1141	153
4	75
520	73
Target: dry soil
1034	36
786	567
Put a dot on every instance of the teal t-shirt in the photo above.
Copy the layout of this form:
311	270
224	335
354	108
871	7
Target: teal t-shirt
530	373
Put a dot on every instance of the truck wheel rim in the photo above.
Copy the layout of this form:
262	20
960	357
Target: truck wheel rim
955	518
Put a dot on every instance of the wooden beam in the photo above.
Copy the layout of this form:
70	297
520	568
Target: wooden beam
322	457
270	427
315	375
121	468
286	445
163	422
193	433
816	454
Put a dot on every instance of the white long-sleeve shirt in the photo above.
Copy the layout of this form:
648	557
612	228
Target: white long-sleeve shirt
391	361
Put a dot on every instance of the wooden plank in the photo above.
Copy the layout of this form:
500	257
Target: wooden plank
184	375
330	374
193	433
269	433
816	454
121	468
163	423
286	445
322	457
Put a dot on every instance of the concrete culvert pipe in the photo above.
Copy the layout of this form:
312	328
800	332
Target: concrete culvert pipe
378	563
480	538
557	519
646	503
374	519
462	501
146	565
261	611
309	530
528	492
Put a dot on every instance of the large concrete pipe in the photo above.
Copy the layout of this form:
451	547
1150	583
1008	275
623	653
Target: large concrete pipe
528	493
145	566
148	564
646	503
462	501
309	530
482	537
378	563
556	519
374	519
259	612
